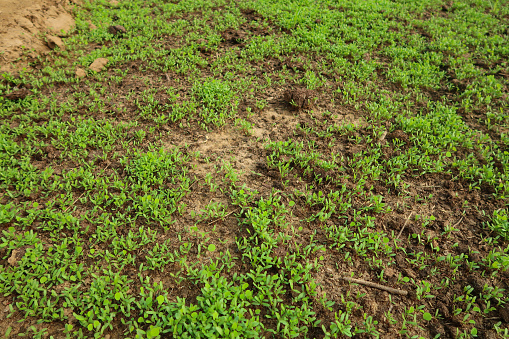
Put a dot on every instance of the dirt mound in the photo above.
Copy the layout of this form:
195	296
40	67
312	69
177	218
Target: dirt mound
28	27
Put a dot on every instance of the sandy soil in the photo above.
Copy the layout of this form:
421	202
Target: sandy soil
26	26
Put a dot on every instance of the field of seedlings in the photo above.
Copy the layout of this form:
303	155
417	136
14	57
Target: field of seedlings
260	169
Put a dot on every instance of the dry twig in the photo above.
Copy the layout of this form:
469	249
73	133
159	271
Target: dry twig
406	222
456	224
221	217
375	285
75	201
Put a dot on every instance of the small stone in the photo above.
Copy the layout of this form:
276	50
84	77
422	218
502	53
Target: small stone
107	336
6	309
117	30
54	42
91	26
98	64
80	73
114	3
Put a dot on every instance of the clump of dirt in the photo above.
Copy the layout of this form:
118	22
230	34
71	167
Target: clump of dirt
29	28
16	255
18	94
398	134
299	98
117	30
233	37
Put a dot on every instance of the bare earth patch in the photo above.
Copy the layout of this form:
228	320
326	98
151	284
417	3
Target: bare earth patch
29	28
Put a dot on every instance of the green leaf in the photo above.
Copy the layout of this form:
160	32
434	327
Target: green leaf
160	299
212	248
219	330
118	295
427	316
153	331
43	280
79	317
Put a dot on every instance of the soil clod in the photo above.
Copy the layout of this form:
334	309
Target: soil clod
18	94
80	73
398	134
54	42
233	37
98	64
16	256
299	98
117	30
503	311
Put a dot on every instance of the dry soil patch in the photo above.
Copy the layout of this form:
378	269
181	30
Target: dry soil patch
24	25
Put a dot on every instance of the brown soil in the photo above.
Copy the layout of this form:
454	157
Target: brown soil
25	26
